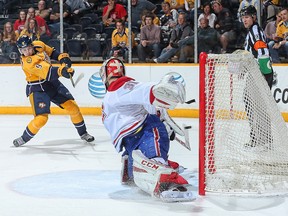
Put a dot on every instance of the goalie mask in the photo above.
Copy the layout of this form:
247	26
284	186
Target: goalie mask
112	68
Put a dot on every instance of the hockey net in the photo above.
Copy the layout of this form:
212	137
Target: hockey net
243	137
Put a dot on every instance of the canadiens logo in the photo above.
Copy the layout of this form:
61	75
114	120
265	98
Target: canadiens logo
29	60
41	105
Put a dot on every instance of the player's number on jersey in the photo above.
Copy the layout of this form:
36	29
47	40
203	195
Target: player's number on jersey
130	85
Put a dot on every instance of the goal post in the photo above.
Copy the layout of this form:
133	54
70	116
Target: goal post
243	139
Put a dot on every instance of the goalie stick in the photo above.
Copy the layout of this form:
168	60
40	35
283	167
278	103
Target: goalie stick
80	77
185	143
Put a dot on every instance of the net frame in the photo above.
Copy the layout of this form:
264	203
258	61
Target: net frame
269	168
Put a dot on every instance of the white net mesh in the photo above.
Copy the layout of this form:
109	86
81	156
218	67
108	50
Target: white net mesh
246	137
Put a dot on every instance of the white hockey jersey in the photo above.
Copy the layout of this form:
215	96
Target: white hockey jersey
125	108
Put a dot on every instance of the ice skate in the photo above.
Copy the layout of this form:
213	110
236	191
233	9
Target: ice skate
18	142
87	137
177	193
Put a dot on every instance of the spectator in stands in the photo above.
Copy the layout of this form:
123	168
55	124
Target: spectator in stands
150	38
32	30
44	30
112	12
207	14
190	8
120	41
224	25
156	20
226	4
138	6
9	40
271	7
55	17
181	38
9	34
170	16
208	38
281	43
43	11
19	24
177	5
270	29
4	58
167	21
78	8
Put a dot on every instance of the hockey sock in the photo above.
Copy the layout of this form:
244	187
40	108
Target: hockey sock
81	128
76	117
27	135
34	126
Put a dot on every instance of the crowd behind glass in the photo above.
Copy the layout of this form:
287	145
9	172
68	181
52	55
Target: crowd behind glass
161	31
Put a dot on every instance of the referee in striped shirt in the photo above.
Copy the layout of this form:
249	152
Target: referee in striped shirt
260	127
256	42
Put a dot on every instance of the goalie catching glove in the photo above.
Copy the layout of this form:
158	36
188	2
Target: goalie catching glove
65	71
168	93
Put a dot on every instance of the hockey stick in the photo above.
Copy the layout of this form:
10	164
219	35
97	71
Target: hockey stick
185	143
72	81
80	77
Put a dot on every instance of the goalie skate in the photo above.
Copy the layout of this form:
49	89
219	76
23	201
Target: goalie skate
177	193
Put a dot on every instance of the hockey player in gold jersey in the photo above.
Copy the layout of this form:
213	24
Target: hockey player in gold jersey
44	87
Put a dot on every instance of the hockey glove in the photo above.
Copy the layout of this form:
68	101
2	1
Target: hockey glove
65	72
65	59
168	93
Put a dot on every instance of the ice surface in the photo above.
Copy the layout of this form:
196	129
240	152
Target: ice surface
57	174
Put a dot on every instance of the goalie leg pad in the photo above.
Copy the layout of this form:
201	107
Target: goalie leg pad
155	178
146	172
125	179
168	93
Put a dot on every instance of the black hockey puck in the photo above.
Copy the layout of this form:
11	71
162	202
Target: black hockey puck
187	127
190	101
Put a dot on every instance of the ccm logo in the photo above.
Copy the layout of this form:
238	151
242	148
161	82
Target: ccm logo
149	164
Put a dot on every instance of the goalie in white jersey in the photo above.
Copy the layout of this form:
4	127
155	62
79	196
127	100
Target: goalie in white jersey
129	114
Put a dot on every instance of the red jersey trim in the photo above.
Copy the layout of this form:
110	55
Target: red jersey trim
118	83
